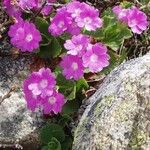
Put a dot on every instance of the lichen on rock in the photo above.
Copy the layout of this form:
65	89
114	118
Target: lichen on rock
118	116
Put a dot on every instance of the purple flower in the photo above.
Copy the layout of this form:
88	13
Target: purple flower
89	18
73	17
77	45
38	87
12	9
53	103
121	13
96	57
137	20
61	21
75	8
47	8
27	4
73	29
24	36
72	67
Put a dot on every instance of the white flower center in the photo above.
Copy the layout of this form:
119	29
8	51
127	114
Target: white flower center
74	66
76	12
34	88
43	84
29	37
93	58
87	20
19	31
52	100
122	14
78	48
61	24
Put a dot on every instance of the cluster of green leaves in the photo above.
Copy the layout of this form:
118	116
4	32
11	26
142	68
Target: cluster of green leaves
53	137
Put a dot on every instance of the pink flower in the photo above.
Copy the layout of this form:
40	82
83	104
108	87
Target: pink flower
73	29
75	8
137	20
61	21
38	87
73	17
12	9
72	67
27	4
77	45
47	8
54	103
89	18
121	13
96	57
24	36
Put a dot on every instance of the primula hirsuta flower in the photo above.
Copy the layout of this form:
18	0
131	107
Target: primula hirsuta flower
75	8
96	57
77	45
39	90
24	36
47	8
121	13
53	103
27	4
136	19
89	18
60	22
72	67
75	15
12	9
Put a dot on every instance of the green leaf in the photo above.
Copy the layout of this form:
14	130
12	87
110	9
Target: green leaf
97	34
126	4
81	84
51	50
67	144
108	21
45	148
116	34
65	36
70	107
52	130
45	41
64	120
43	25
67	87
54	144
114	62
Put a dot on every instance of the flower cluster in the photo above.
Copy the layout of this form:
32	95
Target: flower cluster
25	36
15	8
40	91
83	55
73	17
136	19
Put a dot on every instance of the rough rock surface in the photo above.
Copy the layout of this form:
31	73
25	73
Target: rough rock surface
118	116
18	126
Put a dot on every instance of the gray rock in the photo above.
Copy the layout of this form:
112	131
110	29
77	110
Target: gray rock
118	116
18	126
